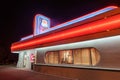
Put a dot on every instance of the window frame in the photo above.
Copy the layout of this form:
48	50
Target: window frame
72	50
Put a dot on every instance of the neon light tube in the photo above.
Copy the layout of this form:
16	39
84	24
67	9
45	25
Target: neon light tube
87	16
39	17
26	37
94	27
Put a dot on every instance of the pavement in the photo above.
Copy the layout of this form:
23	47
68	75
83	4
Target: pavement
13	73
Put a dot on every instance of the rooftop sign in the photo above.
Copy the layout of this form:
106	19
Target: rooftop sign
41	23
94	27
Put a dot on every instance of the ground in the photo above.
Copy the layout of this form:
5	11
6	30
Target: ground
12	73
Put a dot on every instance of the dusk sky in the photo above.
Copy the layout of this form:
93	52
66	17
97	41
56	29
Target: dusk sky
16	17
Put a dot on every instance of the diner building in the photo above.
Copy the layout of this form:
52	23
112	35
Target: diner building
89	41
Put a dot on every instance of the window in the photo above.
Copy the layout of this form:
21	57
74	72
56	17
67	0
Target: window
86	56
77	56
81	56
52	57
66	57
95	57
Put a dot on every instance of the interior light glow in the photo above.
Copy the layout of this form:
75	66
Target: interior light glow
94	27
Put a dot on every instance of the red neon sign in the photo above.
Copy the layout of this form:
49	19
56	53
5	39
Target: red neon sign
94	27
32	58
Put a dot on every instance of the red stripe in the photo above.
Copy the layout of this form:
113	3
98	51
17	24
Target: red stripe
94	27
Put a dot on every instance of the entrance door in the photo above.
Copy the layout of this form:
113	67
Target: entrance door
25	59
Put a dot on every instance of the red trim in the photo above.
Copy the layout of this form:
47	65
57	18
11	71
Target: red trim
94	27
84	17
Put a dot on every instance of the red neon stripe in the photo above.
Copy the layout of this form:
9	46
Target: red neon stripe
97	26
87	14
34	21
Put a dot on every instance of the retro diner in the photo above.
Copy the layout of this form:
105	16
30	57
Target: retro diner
89	41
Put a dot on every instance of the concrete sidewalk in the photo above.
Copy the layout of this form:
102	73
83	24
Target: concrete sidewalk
12	73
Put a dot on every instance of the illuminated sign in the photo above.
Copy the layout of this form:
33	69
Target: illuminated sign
32	58
94	27
82	18
41	23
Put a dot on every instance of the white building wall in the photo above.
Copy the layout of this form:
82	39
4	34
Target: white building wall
25	63
20	60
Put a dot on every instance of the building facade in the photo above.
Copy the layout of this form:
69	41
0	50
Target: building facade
87	42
